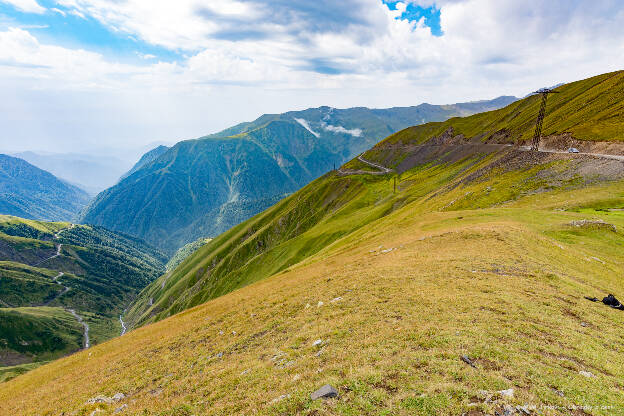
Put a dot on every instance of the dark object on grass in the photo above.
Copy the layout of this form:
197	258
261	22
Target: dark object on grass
468	361
325	392
591	299
613	302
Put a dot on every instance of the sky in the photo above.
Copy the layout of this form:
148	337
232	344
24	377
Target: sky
120	75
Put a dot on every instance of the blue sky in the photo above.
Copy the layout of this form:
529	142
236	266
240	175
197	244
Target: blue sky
88	75
414	12
73	31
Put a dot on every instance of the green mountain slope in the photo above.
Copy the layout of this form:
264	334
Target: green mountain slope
30	192
200	188
336	205
460	291
589	110
145	159
49	269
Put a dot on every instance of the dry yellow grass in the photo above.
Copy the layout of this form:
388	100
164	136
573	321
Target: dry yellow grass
504	286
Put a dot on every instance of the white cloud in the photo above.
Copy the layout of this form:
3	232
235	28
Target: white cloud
146	55
243	58
28	6
342	130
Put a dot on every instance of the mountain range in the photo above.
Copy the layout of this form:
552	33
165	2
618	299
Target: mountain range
333	207
29	192
200	188
446	270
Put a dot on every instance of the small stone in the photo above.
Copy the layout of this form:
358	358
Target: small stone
233	332
338	299
244	372
220	332
325	392
586	374
317	342
320	304
296	377
483	394
118	396
584	324
468	361
523	410
121	408
280	398
99	399
220	355
509	393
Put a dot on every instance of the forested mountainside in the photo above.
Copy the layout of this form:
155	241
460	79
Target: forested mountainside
63	287
30	192
200	188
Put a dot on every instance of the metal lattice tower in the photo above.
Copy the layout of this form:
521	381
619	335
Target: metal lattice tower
540	118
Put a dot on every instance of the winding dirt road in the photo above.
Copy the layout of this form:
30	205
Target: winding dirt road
61	293
382	170
565	152
58	253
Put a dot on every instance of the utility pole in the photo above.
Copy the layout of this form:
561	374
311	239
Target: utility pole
540	118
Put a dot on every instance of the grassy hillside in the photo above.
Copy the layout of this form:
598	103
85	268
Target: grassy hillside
462	291
37	333
30	192
184	252
330	208
49	269
395	303
200	188
591	110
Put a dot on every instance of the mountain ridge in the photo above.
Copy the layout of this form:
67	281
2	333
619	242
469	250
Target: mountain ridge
437	142
245	169
33	193
455	284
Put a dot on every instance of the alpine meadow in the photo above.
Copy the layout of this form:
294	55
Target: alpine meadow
357	248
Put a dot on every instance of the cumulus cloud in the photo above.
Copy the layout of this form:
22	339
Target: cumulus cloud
28	6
